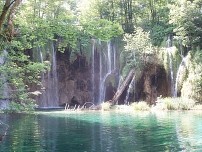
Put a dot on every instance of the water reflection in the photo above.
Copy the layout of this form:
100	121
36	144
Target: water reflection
189	131
102	132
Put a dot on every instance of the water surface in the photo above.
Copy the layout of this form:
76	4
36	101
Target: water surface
102	132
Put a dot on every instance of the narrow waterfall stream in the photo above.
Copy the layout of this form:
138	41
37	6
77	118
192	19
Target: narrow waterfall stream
180	68
109	58
54	76
93	70
109	63
105	60
131	88
104	74
169	50
180	71
49	97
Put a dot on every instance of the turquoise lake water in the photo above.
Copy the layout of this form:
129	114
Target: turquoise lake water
102	132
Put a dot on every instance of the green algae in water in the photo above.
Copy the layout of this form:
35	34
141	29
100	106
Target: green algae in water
102	132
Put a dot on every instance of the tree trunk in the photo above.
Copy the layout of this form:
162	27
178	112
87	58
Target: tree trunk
123	87
11	30
6	7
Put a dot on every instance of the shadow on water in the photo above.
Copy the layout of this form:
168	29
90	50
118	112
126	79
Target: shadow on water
96	132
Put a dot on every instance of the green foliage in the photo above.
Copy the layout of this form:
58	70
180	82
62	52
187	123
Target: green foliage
127	62
36	24
48	21
138	48
153	16
71	24
194	78
110	10
139	42
106	106
18	72
102	29
170	103
175	103
140	106
187	19
15	107
158	32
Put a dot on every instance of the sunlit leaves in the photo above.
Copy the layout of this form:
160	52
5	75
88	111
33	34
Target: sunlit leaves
187	18
194	77
139	42
102	29
138	49
41	21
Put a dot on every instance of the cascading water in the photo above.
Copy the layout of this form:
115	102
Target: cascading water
120	81
109	57
49	97
180	69
93	71
169	51
179	73
54	77
114	51
131	88
106	62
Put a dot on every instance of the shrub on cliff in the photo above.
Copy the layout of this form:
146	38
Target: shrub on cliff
192	86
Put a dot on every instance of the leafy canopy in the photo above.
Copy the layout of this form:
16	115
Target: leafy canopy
186	16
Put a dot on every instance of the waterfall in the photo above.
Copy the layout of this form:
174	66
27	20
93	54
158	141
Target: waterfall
54	76
49	97
93	71
103	66
131	88
110	63
169	51
100	81
120	81
179	73
171	71
114	51
109	56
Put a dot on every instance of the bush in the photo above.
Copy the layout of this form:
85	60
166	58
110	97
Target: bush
141	106
106	106
175	103
186	104
170	104
193	80
15	107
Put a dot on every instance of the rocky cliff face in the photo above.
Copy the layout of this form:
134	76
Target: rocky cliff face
152	84
73	81
75	85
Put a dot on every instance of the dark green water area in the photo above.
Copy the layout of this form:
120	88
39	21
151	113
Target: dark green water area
102	132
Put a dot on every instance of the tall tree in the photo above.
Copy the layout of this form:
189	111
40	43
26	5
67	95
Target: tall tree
127	15
186	16
8	8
